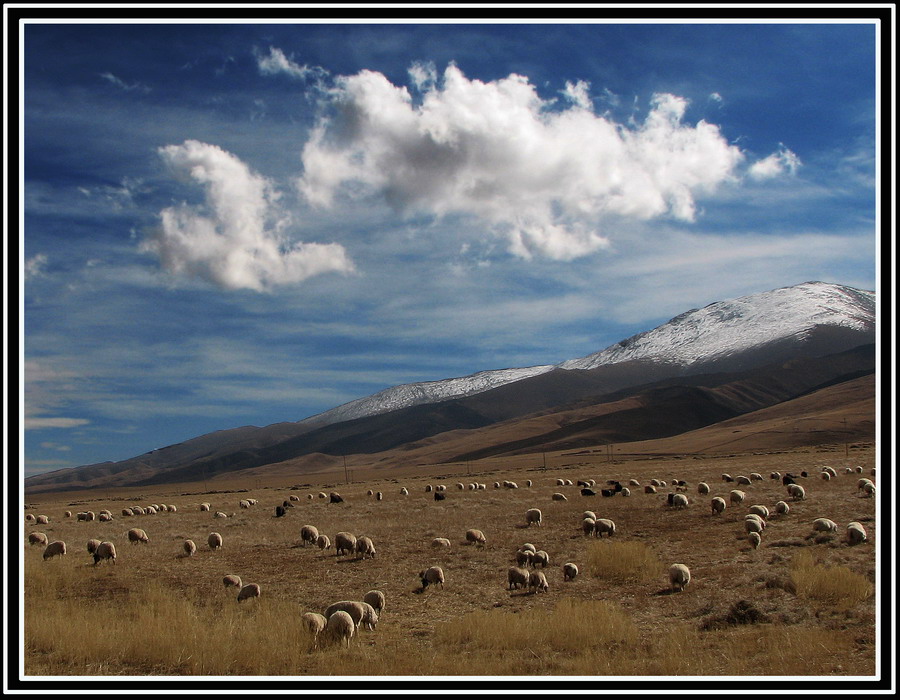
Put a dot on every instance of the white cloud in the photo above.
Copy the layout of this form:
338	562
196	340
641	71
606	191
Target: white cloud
578	93
783	160
276	62
119	83
542	178
235	241
35	266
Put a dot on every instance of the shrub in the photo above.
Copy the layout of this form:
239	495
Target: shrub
623	561
835	585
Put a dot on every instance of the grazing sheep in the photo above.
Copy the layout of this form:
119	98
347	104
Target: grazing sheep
741	480
824	525
37	538
560	482
136	535
322	494
782	508
649	488
559	497
703	488
220	514
775	475
727	477
832	472
105	550
438	496
361	613
528	546
137	510
737	496
460	486
375	599
379	496
314	623
516	577
251	590
533	516
92	545
404	491
309	534
589	514
232	580
55	549
607	493
214	540
370	492
528	483
280	511
365	548
204	507
42	520
428	488
753	525
869	490
718	505
164	508
127	512
309	496
825	476
538	581
189	548
604	525
856	533
634	482
475	537
755	476
679	500
104	518
322	542
440	542
761	511
287	504
862	483
755	539
859	470
797	492
524	557
344	543
246	504
625	491
432	575
758	518
339	629
570	571
29	518
496	484
335	497
540	557
679	576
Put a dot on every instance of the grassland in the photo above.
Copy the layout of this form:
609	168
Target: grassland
800	605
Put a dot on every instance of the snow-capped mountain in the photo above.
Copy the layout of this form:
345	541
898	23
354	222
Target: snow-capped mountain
717	331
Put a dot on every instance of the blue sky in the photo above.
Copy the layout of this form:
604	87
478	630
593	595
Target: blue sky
241	224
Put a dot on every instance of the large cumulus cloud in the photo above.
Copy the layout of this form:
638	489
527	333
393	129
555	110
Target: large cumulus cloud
542	176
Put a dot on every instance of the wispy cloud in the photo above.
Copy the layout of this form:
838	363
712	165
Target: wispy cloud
35	265
275	63
123	85
782	161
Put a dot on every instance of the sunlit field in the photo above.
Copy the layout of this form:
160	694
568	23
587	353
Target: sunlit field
802	604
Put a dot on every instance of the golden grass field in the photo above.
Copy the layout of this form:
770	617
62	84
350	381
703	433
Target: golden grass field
800	605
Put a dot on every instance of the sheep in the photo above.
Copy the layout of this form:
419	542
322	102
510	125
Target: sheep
365	548
862	483
309	534
57	548
856	533
753	525
831	471
560	482
825	476
339	628
29	518
524	557
92	545
755	476
432	575
127	512
37	538
589	514
533	516
516	577
309	496
538	581
440	542
656	483
460	486
204	507
344	543
280	511
528	546
797	492
761	511
741	480
649	488
251	590
314	623
475	537
604	525
214	540
758	518
717	504
737	496
570	571
67	514
322	542
727	477
703	488
322	494
869	490
428	488
625	491
440	487
775	475
608	493
375	599
104	518
189	548
220	514
782	508
540	557
287	504
755	539
370	492
679	500
174	509
42	520
379	496
438	496
137	510
824	525
246	504
232	580
634	482
361	613
105	550
164	508
136	535
404	491
496	484
679	576
559	497
528	483
335	497
859	470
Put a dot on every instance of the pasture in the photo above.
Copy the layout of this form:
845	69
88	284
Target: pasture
802	604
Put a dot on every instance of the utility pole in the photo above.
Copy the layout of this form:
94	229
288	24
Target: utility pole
346	477
544	455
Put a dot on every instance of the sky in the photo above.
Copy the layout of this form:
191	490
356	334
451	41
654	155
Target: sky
231	224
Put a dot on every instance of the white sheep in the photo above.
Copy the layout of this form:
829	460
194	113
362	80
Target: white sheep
29	518
314	623
737	496
322	494
524	557
404	491
251	590
755	539
634	482
782	508
679	500
538	581
379	496
559	497
214	540
797	492
753	525
42	520
189	548
604	525
540	557
587	526
440	542
528	483
127	512
718	505
869	490
55	549
649	488
570	571
727	477
361	613
365	548
475	537
220	514
92	545
432	575
679	576
742	480
204	507
516	577
375	598
323	542
174	509
309	534
761	511
825	476
560	482
625	491
136	536
862	483
232	580
339	628
755	476
703	488
105	551
67	514
344	543
530	547
533	516
137	510
824	525
37	538
856	533
775	475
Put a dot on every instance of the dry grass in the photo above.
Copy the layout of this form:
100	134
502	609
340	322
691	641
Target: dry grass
156	612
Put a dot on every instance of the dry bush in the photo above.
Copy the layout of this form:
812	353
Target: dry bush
835	585
623	562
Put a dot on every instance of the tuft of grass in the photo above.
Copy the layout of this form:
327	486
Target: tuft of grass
837	586
623	562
